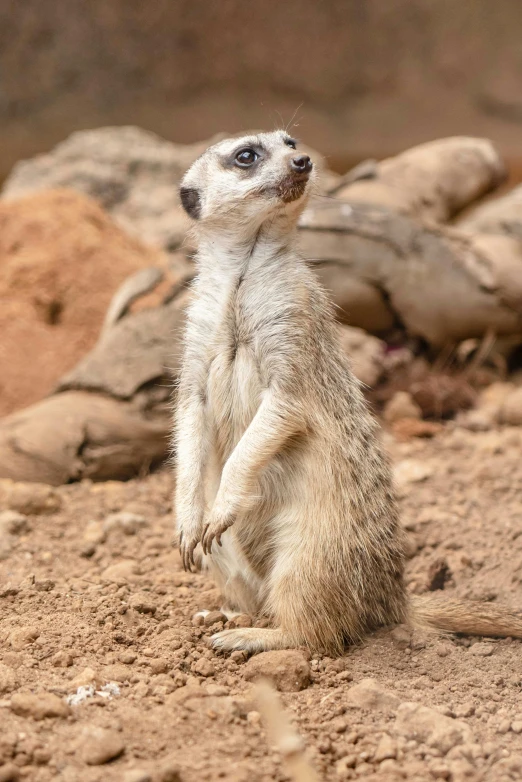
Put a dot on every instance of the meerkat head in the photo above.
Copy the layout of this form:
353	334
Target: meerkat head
245	181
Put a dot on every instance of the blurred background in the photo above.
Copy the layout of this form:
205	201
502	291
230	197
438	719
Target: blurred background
361	77
105	104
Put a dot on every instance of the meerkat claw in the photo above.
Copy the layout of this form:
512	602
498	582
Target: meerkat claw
213	532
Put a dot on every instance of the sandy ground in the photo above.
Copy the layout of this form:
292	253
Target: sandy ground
88	597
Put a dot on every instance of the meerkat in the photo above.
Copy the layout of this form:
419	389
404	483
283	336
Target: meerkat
283	489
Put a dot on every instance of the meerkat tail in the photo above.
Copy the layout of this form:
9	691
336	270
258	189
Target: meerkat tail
465	616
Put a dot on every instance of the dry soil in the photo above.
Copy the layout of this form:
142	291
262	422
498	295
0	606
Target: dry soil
92	593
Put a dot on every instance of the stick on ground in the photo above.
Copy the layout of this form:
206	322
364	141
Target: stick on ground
282	734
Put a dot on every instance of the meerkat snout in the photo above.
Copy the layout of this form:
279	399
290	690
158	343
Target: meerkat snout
247	180
301	164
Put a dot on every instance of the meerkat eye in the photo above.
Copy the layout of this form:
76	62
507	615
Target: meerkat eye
246	157
290	142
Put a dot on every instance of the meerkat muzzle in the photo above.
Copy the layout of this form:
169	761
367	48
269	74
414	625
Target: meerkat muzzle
301	164
293	185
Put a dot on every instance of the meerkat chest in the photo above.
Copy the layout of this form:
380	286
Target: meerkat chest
234	385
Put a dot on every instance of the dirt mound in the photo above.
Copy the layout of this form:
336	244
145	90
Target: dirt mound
61	260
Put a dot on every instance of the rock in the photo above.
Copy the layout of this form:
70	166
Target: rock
481	649
464	710
386	748
116	673
130	523
137	775
213	617
159	665
143	603
99	745
6	546
511	409
192	689
344	766
401	636
13	523
412	471
401	405
366	354
287	669
9	773
224	705
94	533
241	620
169	771
428	726
85	678
23	637
121	572
406	428
369	694
39	706
203	667
462	770
62	659
131	172
31	499
8	679
216	689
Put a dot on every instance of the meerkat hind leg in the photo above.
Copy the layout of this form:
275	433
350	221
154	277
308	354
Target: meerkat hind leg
251	639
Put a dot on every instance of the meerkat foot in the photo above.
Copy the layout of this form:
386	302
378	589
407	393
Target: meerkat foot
251	640
230	613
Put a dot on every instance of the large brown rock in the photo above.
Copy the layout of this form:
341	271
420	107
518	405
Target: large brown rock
386	269
433	180
61	260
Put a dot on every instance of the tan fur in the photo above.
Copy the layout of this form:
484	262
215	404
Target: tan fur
282	480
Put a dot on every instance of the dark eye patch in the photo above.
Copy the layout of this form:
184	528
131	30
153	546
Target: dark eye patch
291	142
191	201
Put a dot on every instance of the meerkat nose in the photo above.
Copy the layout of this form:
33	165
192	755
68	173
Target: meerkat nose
301	164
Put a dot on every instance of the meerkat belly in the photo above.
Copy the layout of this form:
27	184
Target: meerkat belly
234	393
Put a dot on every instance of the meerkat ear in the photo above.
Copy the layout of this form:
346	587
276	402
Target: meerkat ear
191	201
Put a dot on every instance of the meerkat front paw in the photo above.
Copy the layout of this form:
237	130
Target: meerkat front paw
187	546
216	526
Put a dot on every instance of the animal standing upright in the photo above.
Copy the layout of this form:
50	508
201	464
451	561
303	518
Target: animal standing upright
281	478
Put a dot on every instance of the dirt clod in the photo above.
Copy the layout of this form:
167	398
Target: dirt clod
401	405
369	694
288	669
99	745
422	724
39	706
8	679
481	649
29	498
